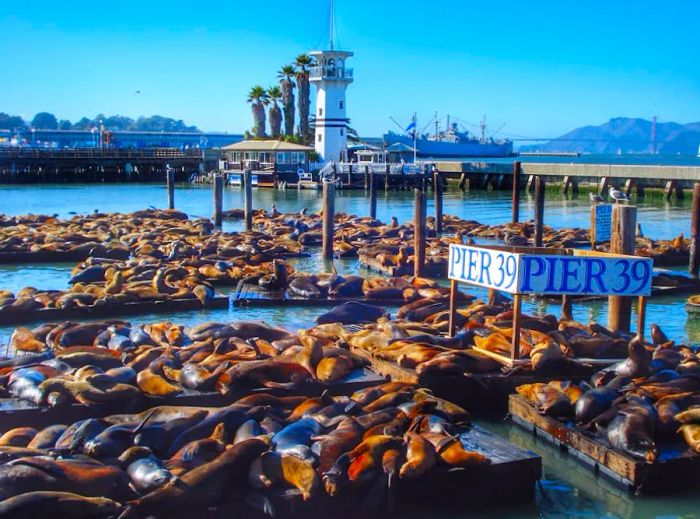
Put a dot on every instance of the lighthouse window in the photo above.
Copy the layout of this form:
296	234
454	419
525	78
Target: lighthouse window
320	137
342	105
320	112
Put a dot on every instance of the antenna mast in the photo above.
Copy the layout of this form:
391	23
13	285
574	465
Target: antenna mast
331	24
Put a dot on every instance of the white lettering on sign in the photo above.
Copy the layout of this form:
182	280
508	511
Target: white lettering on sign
484	267
603	222
579	274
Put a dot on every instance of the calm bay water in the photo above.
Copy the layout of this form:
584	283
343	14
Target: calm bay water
568	489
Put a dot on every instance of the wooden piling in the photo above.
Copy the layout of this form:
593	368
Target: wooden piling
603	186
372	195
170	183
218	199
419	232
629	186
539	211
386	177
437	192
566	308
624	226
328	217
566	184
694	263
248	199
516	192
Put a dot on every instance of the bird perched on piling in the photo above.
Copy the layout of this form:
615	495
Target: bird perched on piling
595	198
617	195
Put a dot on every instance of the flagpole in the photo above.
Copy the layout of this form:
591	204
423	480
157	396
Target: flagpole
415	132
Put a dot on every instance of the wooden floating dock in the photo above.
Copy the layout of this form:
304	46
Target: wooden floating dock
248	294
510	479
19	413
676	468
486	392
87	312
46	256
431	270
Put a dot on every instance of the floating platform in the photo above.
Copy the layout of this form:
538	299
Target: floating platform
510	479
46	256
15	412
676	469
248	294
86	312
431	270
485	392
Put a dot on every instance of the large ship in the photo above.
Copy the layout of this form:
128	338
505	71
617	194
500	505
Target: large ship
450	142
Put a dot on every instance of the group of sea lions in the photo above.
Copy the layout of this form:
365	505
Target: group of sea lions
113	361
637	404
175	460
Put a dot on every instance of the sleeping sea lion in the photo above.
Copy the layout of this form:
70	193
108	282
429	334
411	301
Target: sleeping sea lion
272	469
49	505
352	312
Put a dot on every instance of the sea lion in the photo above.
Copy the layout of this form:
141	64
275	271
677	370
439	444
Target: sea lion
155	385
265	373
273	468
632	430
352	312
230	416
46	438
452	452
42	473
548	399
420	457
203	486
691	435
295	438
23	339
194	454
49	505
146	471
346	436
18	437
597	400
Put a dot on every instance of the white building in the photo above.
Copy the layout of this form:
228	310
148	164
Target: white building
331	77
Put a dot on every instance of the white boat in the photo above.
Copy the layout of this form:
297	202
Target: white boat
306	181
234	179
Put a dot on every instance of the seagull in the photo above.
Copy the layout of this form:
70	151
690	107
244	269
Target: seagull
137	92
274	211
617	195
596	199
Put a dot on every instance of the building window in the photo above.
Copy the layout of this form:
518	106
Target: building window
320	137
342	104
342	132
320	112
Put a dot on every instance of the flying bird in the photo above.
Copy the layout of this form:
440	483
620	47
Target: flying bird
596	199
617	195
137	92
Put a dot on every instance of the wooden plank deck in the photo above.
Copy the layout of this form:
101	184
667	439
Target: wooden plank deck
432	270
677	467
486	393
19	413
252	295
87	312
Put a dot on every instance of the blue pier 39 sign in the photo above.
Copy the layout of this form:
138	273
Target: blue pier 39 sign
577	272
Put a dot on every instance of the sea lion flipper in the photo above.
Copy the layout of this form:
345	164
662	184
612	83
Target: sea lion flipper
145	420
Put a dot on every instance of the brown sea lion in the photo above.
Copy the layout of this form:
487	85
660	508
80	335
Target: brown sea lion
194	454
50	505
691	435
155	385
632	430
89	478
420	457
272	469
46	438
203	486
452	452
23	339
18	437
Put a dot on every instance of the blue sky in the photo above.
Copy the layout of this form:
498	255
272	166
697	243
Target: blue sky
539	67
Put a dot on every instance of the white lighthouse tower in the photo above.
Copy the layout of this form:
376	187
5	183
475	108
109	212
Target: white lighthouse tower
331	77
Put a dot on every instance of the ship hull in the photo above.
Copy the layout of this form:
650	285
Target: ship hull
427	148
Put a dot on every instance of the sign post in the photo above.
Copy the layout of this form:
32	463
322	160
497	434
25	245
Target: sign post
567	272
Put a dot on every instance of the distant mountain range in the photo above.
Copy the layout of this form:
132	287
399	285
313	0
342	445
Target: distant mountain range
626	135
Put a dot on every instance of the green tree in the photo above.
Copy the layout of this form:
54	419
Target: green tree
274	94
10	122
303	62
45	121
286	77
64	124
257	97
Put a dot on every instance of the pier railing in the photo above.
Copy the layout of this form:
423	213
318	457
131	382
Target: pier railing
99	153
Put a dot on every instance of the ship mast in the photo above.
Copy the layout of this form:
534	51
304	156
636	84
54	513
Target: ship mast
483	130
437	127
330	24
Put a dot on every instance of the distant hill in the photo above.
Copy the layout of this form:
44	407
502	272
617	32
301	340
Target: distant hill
628	135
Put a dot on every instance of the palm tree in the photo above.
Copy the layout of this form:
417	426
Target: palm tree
257	97
274	94
303	62
285	76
